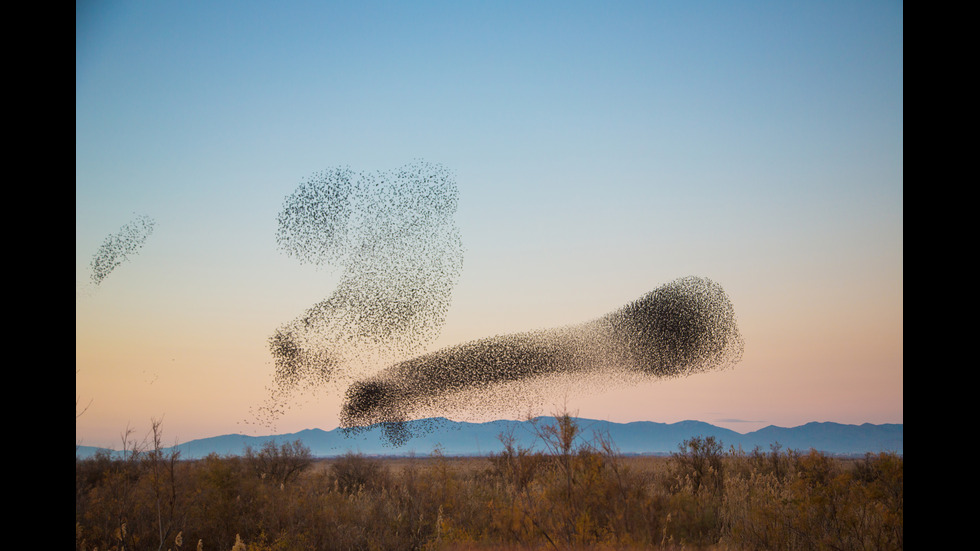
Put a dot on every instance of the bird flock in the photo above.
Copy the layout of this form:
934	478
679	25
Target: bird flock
393	237
119	246
684	327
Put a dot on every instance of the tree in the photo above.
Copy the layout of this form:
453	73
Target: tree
279	463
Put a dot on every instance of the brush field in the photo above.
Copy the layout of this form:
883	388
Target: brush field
578	494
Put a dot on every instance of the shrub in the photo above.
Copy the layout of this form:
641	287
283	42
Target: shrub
279	464
354	472
578	493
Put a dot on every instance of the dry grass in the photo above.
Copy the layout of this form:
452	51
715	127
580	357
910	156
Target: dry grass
579	496
397	464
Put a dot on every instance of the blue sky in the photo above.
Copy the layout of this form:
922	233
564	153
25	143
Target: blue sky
600	150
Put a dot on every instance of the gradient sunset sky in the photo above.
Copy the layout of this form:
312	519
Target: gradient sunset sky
601	149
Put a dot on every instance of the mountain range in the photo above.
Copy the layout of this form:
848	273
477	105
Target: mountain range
456	438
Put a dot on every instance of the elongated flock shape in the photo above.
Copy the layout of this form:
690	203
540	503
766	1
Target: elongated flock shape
684	327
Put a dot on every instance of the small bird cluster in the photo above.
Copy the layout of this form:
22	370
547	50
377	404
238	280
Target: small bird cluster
684	327
118	247
394	237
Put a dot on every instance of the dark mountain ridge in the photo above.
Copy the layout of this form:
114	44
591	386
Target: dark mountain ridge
456	438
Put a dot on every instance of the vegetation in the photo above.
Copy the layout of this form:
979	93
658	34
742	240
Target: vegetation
579	493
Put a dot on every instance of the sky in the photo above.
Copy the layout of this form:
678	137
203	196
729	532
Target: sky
599	149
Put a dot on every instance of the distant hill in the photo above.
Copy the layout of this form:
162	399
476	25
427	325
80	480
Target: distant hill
643	437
